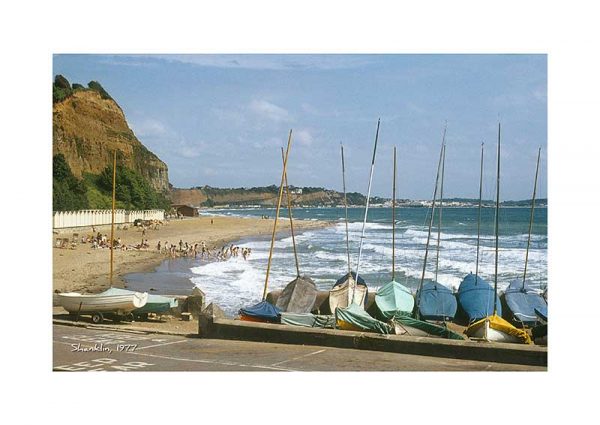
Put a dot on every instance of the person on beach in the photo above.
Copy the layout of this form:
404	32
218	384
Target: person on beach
158	246
180	244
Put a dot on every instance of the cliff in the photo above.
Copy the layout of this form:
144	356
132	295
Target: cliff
88	126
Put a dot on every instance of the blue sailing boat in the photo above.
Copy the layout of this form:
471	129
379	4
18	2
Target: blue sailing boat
521	297
475	295
435	301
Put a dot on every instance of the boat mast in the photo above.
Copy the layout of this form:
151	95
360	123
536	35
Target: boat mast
418	301
394	220
537	168
362	236
479	216
497	221
439	235
112	221
289	205
345	207
277	215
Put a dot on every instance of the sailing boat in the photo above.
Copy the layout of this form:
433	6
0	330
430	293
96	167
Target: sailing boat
353	316
521	299
393	298
339	295
300	294
265	311
494	327
475	295
435	301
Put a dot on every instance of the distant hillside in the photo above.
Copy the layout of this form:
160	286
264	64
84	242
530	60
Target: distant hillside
207	196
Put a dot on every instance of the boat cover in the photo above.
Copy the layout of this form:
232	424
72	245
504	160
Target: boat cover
355	318
155	303
394	299
499	324
476	298
436	302
344	278
429	328
298	296
522	300
308	320
263	312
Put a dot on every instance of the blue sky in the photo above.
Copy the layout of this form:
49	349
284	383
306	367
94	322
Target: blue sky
220	120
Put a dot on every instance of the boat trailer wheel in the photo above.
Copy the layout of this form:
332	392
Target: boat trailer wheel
129	317
97	318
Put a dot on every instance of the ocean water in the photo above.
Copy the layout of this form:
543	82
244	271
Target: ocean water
322	252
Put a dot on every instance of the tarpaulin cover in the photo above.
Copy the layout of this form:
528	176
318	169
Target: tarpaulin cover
155	303
523	300
344	278
308	320
430	328
436	302
476	298
498	323
355	317
263	311
298	296
394	299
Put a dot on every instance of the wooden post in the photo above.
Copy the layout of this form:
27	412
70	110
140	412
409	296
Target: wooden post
277	216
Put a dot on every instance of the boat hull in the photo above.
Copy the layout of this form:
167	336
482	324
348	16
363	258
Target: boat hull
75	302
521	302
393	299
436	302
476	298
496	329
298	296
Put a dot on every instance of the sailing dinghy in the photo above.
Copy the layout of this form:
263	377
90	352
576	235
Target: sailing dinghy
521	298
300	294
340	293
265	311
475	295
435	301
493	327
352	315
393	298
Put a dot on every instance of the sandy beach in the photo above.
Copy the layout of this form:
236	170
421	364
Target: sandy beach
84	269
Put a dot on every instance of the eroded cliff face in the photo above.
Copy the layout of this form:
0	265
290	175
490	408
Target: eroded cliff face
87	129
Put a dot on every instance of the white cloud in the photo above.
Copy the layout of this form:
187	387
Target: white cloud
270	111
270	62
150	128
304	137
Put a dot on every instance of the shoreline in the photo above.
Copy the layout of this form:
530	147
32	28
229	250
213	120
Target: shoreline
84	269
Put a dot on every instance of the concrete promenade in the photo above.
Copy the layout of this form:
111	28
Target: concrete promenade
87	348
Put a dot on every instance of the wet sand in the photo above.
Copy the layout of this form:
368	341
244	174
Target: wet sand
87	270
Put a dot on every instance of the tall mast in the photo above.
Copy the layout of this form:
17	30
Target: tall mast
289	205
394	220
418	301
537	168
479	216
362	236
277	215
497	222
345	207
112	221
439	235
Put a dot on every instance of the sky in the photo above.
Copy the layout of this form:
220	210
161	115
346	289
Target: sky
221	120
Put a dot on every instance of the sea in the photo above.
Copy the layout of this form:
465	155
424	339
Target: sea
322	253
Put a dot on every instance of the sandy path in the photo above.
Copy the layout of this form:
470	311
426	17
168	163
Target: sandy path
84	269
